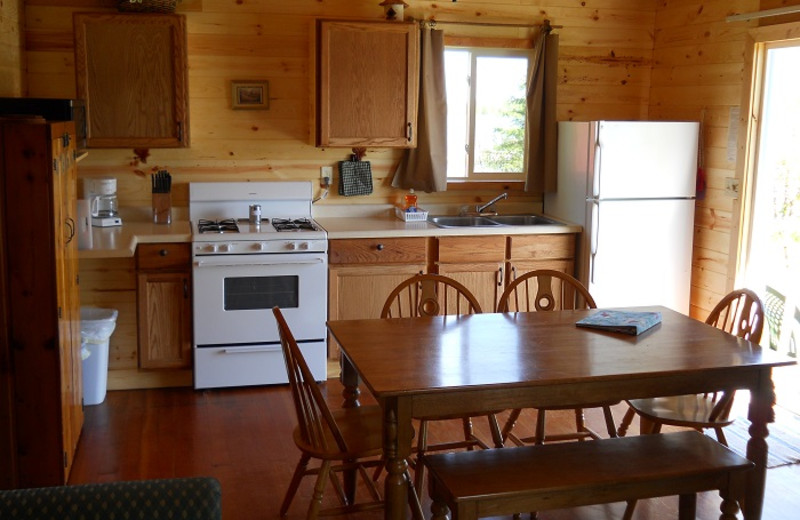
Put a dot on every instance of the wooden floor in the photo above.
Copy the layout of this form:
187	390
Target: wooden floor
243	438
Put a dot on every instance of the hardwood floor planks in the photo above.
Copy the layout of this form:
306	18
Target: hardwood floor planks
243	437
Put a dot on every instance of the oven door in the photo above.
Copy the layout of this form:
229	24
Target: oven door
235	333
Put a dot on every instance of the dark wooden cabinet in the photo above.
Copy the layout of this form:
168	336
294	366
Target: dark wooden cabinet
131	71
367	84
41	412
165	305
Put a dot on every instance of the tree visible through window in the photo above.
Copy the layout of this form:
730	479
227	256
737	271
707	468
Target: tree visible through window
486	113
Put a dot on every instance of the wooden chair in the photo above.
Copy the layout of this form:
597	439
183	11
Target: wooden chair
548	290
433	295
351	438
740	313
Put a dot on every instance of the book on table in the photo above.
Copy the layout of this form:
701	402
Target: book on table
626	322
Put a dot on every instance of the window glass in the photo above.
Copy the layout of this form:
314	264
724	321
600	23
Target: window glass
485	113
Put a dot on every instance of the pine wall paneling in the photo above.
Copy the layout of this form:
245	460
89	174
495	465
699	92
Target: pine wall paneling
11	54
606	59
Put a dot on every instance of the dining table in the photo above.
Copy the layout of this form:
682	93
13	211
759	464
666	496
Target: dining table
472	364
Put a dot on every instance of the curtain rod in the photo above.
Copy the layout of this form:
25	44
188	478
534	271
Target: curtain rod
745	17
546	23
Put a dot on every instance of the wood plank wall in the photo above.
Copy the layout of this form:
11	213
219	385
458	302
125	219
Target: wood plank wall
697	74
606	53
10	48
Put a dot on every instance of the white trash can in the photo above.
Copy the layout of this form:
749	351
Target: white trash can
96	327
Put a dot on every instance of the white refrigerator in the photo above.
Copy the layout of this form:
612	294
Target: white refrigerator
631	185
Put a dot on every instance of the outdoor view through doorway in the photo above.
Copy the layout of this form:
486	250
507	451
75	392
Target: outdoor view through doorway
773	256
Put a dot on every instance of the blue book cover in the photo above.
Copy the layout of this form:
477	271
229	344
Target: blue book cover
633	323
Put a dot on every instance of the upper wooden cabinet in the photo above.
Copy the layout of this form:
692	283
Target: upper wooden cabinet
131	70
367	84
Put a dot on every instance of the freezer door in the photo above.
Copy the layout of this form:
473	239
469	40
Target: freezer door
643	159
640	253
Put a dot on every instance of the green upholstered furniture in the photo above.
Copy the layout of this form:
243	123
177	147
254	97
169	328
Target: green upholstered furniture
196	498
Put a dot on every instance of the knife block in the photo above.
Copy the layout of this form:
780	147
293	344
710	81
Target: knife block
162	208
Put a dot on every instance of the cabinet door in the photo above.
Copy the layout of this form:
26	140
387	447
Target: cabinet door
532	252
478	263
131	70
165	329
367	84
68	296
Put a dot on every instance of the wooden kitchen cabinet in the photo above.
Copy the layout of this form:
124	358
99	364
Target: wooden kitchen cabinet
478	262
362	273
164	305
367	84
131	71
41	402
532	252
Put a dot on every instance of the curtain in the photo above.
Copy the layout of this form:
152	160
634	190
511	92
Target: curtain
424	168
542	128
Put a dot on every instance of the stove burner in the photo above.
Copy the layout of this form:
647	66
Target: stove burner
227	225
297	224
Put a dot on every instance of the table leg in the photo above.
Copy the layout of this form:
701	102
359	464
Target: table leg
398	434
760	413
350	380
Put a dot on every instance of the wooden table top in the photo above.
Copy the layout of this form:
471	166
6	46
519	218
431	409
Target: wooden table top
422	355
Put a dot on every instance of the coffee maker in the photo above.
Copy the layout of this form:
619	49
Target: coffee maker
102	195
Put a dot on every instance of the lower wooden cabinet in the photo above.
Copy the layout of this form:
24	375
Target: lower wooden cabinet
478	262
362	272
164	305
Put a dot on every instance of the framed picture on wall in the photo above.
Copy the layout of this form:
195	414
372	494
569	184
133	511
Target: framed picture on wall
250	94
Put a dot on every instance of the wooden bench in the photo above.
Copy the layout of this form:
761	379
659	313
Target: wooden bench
505	481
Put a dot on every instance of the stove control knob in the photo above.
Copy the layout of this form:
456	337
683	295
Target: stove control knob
224	248
211	248
304	245
291	246
259	246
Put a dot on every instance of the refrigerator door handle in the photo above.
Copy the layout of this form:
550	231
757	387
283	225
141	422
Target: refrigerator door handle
594	225
596	166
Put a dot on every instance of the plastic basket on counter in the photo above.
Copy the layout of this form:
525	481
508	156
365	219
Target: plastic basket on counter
411	216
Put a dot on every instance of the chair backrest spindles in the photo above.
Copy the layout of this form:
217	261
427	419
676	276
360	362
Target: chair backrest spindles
545	290
429	295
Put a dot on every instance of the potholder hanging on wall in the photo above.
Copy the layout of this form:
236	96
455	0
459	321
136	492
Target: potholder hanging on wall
355	178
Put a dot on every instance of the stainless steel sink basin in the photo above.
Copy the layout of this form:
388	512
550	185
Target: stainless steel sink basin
497	220
462	221
523	220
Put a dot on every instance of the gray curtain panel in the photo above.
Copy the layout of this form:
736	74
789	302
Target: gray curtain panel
424	168
542	127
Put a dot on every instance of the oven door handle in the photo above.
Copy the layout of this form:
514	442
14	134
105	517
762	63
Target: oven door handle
202	263
249	350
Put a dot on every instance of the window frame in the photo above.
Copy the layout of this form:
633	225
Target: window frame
515	180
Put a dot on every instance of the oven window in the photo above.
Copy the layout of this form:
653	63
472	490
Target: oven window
261	292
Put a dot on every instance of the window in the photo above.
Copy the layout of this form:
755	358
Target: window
485	113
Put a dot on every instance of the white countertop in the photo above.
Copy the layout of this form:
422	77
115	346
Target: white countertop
121	241
382	226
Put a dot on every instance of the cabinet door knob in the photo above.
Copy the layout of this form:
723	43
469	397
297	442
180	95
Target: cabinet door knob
379	247
163	252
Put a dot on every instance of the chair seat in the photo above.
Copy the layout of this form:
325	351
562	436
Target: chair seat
680	410
361	429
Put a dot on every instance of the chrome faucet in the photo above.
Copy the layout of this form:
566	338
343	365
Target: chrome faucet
480	209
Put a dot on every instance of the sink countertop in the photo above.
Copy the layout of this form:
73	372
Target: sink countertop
383	226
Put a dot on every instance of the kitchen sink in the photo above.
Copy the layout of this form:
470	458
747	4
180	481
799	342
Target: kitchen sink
497	220
523	220
462	221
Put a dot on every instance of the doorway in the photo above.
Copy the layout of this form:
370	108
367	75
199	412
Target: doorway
772	266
